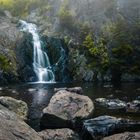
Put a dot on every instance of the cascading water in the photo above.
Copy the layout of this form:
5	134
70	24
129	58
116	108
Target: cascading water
41	63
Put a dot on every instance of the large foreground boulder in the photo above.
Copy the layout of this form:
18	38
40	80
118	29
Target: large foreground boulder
107	125
17	106
67	106
59	134
13	128
124	136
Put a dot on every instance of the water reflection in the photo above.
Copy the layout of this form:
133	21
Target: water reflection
39	96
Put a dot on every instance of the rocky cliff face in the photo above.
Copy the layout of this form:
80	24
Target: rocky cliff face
66	19
9	38
60	23
57	51
16	54
93	12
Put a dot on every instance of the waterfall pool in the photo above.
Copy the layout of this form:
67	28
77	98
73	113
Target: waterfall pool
37	96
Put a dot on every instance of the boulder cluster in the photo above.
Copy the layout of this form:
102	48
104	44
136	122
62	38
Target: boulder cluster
68	116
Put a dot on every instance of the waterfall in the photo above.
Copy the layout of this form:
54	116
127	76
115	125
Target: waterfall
41	63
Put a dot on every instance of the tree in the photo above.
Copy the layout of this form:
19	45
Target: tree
97	54
123	41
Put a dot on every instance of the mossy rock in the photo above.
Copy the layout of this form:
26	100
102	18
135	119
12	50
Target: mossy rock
17	106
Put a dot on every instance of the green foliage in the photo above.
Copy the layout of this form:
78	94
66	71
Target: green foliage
88	42
123	39
6	3
122	52
4	63
98	53
22	8
82	30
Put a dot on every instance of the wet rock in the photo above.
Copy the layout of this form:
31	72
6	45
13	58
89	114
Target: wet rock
32	89
101	101
13	128
113	104
130	77
58	55
14	91
107	125
119	91
59	134
138	89
17	106
77	90
133	107
108	86
138	98
111	96
88	76
124	136
77	65
68	106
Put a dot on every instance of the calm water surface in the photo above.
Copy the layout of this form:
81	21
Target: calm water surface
37	96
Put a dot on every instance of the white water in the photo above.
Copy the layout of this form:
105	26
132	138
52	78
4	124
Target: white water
41	63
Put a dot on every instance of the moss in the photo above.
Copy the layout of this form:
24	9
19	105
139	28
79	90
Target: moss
122	51
97	53
4	63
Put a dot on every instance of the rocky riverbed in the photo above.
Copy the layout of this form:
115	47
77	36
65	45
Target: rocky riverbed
68	116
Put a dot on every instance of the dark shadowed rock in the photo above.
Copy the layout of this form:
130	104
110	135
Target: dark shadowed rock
68	106
10	37
77	90
16	50
12	128
59	134
124	136
107	125
17	106
57	51
51	121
